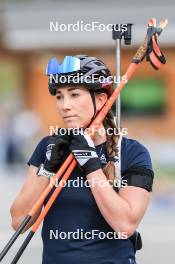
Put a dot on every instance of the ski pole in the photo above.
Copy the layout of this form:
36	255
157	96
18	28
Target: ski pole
119	31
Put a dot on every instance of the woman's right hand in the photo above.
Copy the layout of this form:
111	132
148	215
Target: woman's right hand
57	152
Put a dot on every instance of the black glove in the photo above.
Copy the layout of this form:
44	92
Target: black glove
84	152
57	152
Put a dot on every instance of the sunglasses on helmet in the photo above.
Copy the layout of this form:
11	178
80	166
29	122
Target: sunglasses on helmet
69	64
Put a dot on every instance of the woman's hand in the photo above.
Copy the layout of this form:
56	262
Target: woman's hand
84	152
57	152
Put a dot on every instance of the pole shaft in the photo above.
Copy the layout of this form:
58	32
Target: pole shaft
118	70
22	248
15	236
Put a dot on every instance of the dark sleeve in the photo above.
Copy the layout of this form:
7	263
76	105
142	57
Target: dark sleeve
39	153
138	166
139	177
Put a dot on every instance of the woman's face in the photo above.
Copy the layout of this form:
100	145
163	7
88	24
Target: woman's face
75	105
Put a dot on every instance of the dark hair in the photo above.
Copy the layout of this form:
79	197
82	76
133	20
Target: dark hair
111	145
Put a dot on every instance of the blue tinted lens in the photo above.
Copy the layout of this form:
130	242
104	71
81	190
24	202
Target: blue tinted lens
69	64
52	66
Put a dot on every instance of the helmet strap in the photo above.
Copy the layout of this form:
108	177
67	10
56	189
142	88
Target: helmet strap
92	93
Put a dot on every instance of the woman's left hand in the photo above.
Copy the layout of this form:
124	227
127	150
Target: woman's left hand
84	152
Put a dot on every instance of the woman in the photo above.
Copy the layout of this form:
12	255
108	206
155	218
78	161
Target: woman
90	223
